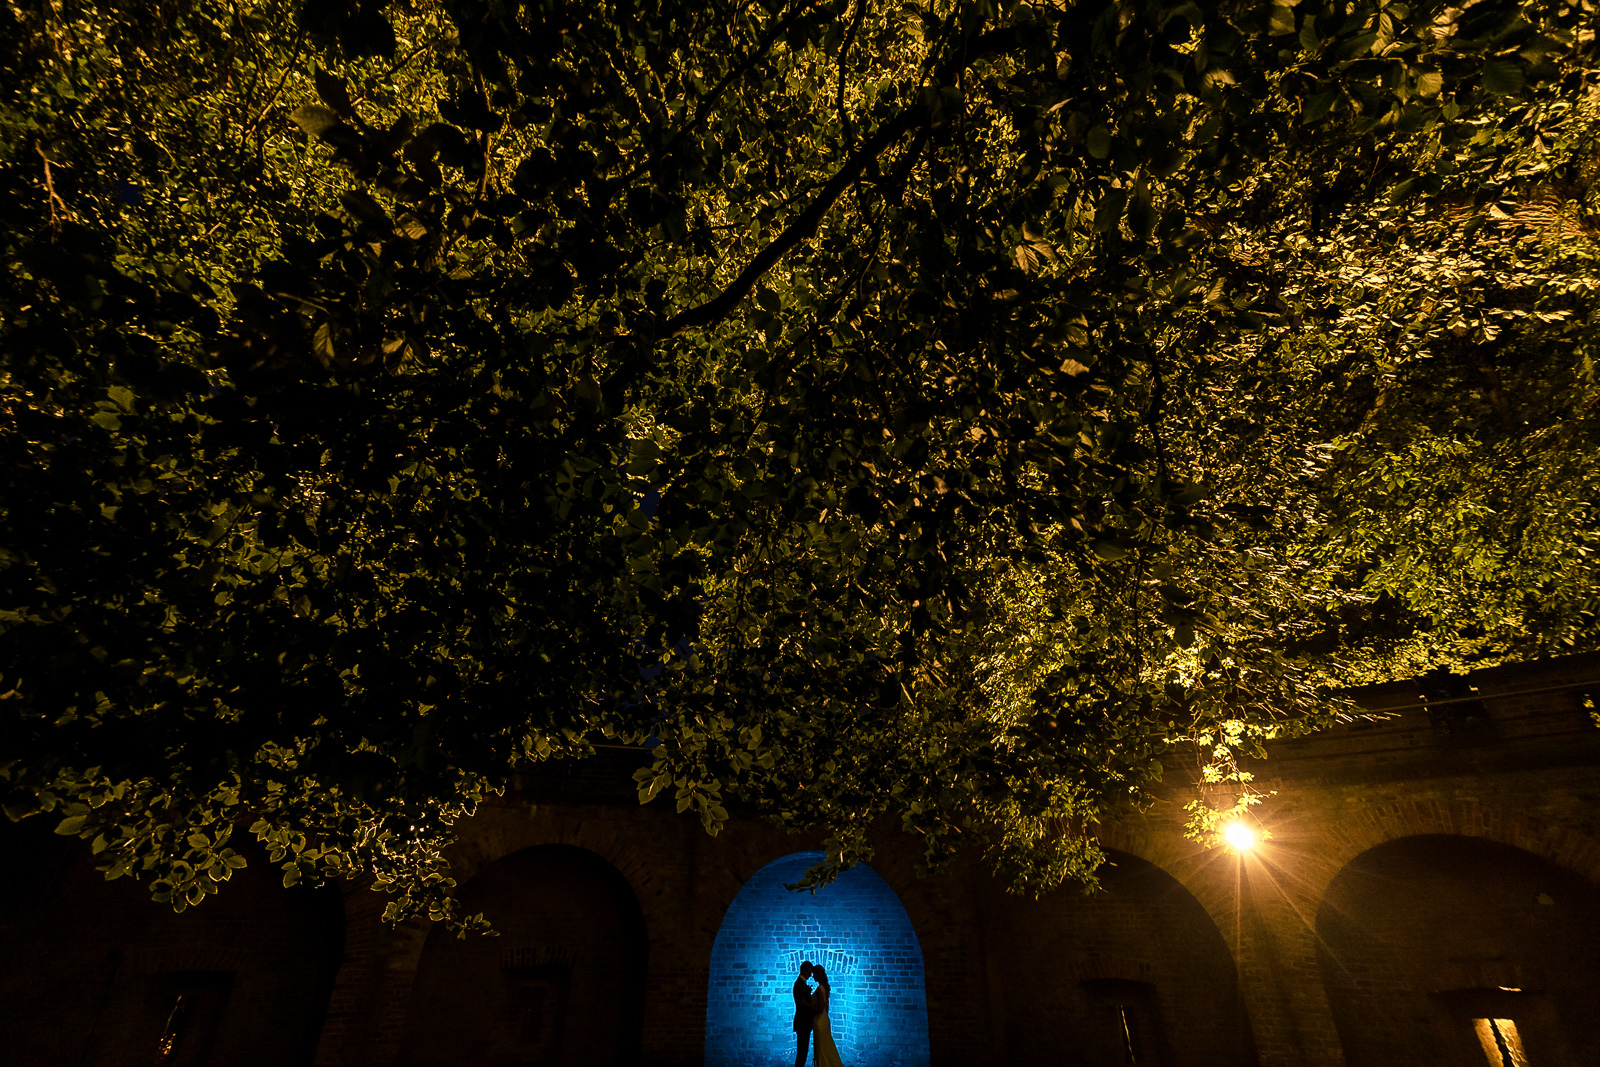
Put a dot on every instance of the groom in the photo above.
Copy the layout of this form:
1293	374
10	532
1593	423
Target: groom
802	1014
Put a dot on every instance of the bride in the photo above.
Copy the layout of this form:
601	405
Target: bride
825	1051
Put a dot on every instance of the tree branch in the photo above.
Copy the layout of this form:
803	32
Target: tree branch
54	198
718	307
299	42
844	54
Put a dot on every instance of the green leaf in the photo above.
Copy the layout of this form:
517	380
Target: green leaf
648	790
71	825
363	208
322	342
333	91
314	119
1098	142
1318	106
1404	190
1142	216
1309	40
1112	549
1502	77
1280	20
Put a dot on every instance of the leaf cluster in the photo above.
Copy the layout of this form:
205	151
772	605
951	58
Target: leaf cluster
939	416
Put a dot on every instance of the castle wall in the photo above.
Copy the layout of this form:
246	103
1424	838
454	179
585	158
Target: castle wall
1351	936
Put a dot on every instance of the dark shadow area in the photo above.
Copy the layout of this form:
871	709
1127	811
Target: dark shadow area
95	973
563	984
1461	952
1136	973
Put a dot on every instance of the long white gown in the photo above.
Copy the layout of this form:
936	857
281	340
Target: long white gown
825	1051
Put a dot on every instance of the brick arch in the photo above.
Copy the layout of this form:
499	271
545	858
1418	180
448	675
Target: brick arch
1508	824
564	984
1420	934
1140	961
1206	873
1111	967
856	927
503	829
1317	857
1320	832
92	971
743	856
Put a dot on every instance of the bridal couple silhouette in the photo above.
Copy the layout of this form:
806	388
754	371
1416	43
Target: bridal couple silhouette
811	1023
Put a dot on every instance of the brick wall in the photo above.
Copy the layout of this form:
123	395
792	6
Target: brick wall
1522	770
857	929
561	986
90	970
1181	935
1418	933
1140	963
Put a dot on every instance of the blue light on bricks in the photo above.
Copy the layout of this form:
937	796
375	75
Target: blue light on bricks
857	929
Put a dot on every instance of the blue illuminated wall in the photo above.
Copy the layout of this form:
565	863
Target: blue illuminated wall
857	929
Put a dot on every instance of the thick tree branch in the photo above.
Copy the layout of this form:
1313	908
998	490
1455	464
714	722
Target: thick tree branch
718	307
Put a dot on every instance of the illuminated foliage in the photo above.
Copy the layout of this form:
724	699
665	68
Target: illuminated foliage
939	414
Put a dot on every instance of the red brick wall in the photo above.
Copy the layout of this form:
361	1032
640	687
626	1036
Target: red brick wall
90	970
1411	926
1068	957
1524	773
561	986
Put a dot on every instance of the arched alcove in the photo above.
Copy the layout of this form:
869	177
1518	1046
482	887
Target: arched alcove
563	984
95	973
855	927
1421	936
1135	972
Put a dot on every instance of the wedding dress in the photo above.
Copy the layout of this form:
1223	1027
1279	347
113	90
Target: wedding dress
825	1051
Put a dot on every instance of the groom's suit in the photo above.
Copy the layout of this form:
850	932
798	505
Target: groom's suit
802	1021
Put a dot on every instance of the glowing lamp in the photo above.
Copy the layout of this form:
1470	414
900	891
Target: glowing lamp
1239	837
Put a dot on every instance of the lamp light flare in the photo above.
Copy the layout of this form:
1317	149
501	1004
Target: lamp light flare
1239	836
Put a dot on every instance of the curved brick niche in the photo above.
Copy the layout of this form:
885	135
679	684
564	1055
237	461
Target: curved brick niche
96	974
1134	973
563	984
857	929
1441	949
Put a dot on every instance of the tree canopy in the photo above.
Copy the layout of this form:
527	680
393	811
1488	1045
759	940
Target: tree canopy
942	413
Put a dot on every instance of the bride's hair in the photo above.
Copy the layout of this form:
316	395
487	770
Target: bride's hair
820	975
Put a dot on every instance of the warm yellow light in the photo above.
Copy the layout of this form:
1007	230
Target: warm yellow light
1239	836
1502	1045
